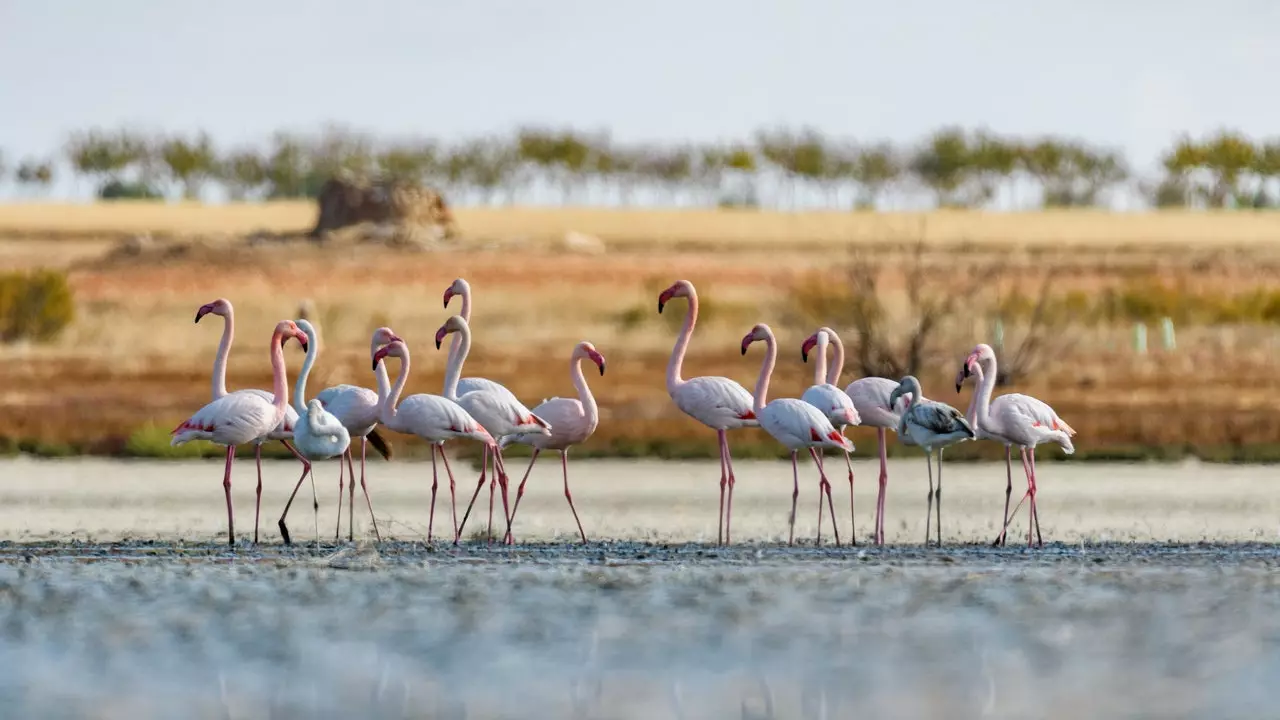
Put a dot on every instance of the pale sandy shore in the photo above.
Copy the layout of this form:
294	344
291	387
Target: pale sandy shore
104	500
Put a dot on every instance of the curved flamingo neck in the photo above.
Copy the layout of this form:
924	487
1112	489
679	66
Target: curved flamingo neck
980	406
676	363
820	360
380	372
388	400
837	358
224	350
456	342
454	370
589	407
766	372
279	384
300	385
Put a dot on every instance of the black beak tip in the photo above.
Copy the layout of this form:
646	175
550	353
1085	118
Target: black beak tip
198	316
660	307
804	356
437	344
303	343
375	365
957	387
744	350
602	368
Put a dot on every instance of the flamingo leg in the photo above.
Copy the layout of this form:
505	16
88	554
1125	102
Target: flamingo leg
1026	469
728	508
928	515
520	493
453	503
884	481
257	504
564	466
315	504
1008	490
284	530
226	487
937	495
825	486
305	464
853	530
435	482
337	530
504	483
484	465
351	497
1035	488
724	481
493	483
795	495
817	461
364	449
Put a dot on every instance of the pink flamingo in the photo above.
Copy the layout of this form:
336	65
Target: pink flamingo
283	431
717	402
243	417
930	424
430	417
572	422
825	395
357	410
796	424
499	413
1012	419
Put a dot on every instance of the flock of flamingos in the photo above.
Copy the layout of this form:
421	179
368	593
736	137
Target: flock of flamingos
482	410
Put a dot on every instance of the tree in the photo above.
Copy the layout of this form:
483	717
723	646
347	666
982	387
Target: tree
991	161
875	167
412	160
286	167
189	162
1071	174
105	156
36	174
942	164
242	172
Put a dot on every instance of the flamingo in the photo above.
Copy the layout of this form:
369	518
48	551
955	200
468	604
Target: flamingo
430	417
825	395
357	409
282	432
930	424
243	417
319	434
572	422
717	402
499	413
796	424
1012	419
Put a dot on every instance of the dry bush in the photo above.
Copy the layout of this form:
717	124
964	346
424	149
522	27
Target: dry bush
35	305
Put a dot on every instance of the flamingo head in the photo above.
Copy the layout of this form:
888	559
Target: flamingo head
455	323
396	348
286	329
981	353
221	306
681	288
384	336
759	332
908	387
459	287
587	350
814	339
309	331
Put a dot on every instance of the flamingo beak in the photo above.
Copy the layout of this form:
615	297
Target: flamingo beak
377	357
806	347
448	295
663	299
440	336
746	342
598	359
204	310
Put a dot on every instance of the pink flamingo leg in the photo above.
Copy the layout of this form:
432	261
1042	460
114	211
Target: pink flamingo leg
928	517
364	448
435	482
453	502
724	481
1026	469
226	486
520	493
351	496
825	486
493	483
884	480
795	495
1008	490
1035	488
853	530
504	483
284	531
337	530
817	460
728	509
484	465
257	504
564	466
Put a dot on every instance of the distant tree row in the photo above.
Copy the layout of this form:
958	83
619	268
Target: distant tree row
956	167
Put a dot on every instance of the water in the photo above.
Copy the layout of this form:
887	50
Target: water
179	626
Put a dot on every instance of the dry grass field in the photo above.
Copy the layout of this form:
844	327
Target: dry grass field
133	363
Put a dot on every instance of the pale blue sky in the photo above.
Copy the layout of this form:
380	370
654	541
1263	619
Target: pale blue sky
1131	74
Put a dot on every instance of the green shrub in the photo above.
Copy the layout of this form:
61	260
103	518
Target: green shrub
121	190
35	305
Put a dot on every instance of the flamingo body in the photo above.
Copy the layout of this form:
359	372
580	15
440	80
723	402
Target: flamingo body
236	418
797	424
354	406
462	288
834	403
717	402
870	397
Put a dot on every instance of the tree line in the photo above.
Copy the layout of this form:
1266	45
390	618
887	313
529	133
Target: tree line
955	167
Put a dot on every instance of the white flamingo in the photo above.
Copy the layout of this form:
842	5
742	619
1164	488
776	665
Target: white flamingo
318	435
825	395
499	413
462	289
1012	419
870	398
930	424
796	424
433	418
572	422
357	409
283	431
243	417
717	402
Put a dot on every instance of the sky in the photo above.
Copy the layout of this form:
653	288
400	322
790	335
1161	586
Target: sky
1132	74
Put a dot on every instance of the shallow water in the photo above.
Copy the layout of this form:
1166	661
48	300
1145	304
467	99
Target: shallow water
1106	621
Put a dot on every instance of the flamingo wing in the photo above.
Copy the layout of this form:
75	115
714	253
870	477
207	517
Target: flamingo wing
717	402
931	419
502	414
233	419
474	384
354	406
796	423
437	418
833	402
870	396
1030	421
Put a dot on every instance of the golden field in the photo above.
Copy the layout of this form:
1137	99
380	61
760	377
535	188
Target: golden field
133	364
